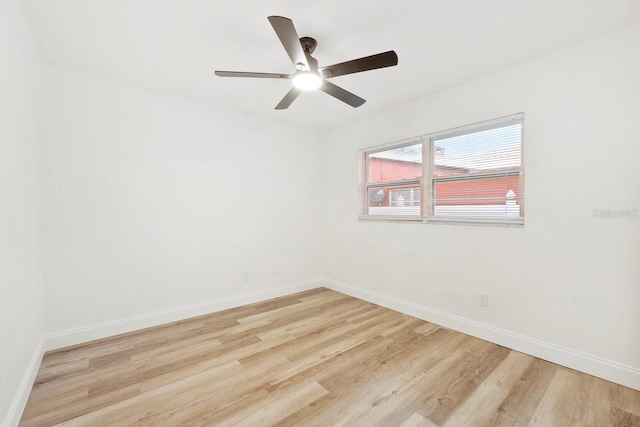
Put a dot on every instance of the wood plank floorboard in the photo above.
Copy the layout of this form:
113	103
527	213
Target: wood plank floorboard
315	358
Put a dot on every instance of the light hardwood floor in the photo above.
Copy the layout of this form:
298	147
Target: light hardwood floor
315	358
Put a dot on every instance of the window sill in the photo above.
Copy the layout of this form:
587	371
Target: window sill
442	221
389	218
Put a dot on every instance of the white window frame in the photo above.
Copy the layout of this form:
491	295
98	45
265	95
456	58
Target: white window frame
402	183
427	181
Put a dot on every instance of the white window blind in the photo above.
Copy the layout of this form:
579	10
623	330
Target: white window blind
472	174
476	173
394	179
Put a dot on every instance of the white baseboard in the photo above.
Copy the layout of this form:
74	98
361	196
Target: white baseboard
16	409
611	371
107	329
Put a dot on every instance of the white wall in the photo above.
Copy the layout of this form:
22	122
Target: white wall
156	202
20	206
566	278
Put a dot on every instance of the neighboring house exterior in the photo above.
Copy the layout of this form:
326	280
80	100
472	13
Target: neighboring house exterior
491	178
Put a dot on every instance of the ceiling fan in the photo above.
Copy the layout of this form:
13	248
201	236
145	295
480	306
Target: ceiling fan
307	75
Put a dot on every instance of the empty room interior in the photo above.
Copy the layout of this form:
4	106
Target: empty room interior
329	213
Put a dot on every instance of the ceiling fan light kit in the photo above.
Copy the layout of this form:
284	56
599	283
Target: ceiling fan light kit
308	76
307	80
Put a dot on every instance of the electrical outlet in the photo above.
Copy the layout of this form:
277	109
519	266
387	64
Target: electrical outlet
245	276
483	300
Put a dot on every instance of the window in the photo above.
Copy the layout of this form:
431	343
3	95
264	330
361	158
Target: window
393	180
472	174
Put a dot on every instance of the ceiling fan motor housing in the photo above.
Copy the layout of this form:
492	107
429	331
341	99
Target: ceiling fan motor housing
308	44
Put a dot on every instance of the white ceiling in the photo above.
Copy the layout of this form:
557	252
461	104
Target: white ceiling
174	46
